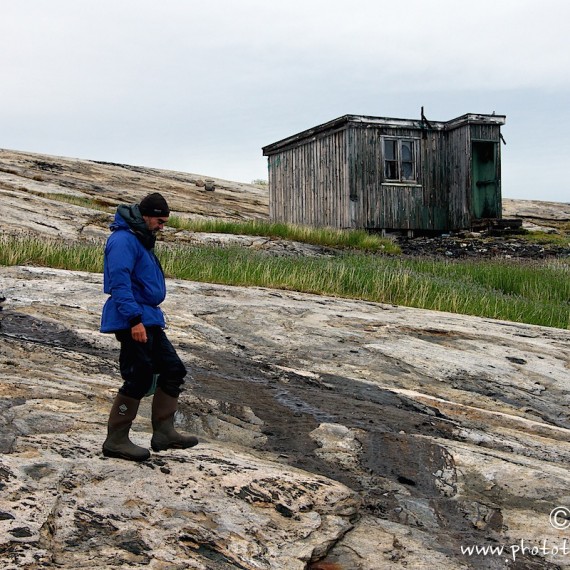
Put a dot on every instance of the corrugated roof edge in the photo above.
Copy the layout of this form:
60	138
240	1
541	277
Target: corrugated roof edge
342	122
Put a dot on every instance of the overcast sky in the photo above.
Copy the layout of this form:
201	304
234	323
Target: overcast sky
200	86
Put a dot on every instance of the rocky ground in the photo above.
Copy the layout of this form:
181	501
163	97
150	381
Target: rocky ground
482	245
368	435
334	434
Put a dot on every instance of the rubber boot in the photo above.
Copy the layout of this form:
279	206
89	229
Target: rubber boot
164	435
118	444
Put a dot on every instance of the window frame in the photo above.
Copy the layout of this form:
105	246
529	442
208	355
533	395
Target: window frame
396	163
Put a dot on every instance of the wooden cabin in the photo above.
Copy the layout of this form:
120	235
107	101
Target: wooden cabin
389	174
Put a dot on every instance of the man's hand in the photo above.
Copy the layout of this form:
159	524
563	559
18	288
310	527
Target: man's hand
138	332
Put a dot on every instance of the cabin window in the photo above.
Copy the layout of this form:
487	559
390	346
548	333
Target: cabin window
400	160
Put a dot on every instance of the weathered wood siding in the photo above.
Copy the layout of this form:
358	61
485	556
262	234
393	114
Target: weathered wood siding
457	166
308	183
377	204
434	181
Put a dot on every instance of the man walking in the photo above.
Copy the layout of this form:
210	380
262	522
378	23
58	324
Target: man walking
135	282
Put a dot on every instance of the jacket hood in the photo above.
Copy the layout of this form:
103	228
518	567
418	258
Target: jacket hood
130	218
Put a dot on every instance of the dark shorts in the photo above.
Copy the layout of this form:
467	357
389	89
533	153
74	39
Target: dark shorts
139	362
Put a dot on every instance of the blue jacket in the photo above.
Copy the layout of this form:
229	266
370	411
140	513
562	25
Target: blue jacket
132	276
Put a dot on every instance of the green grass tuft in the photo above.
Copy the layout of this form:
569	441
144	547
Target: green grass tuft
324	237
91	203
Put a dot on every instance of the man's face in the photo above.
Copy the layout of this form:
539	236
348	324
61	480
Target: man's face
155	224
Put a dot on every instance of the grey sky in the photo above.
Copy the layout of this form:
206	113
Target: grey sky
201	86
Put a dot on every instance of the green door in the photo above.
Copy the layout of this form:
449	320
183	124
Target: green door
485	183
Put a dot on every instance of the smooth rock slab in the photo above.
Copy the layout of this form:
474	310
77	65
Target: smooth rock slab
363	434
89	511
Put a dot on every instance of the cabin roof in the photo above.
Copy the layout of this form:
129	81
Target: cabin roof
366	121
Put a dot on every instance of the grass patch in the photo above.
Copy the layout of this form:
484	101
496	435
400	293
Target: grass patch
43	252
544	238
534	293
92	203
324	237
529	292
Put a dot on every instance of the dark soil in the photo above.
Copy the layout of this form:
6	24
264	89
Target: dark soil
486	245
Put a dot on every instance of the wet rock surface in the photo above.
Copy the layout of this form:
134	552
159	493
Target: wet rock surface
352	433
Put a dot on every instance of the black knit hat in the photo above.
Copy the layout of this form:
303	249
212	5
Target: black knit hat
154	205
